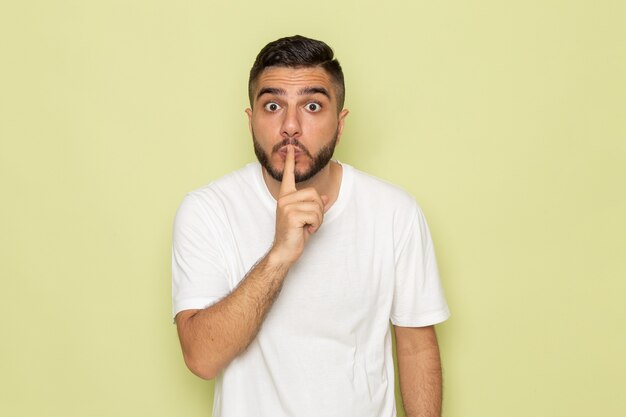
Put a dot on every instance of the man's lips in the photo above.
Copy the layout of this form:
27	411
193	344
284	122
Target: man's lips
283	152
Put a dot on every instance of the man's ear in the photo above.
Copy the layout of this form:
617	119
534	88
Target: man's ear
249	113
340	122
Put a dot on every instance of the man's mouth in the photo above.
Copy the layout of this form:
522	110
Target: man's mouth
299	149
283	152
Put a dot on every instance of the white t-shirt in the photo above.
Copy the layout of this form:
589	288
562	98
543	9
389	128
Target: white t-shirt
324	348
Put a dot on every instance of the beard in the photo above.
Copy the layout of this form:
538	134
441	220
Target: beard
318	161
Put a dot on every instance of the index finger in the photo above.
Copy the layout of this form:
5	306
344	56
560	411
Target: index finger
288	185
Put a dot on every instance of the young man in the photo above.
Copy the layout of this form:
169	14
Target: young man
287	272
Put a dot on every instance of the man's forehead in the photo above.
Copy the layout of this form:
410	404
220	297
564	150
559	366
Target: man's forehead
285	77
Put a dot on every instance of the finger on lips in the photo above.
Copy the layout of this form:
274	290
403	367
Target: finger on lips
288	184
306	206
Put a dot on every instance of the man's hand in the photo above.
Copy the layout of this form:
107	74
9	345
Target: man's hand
299	214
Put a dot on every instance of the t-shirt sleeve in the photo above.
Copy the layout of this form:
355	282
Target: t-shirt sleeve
418	295
199	271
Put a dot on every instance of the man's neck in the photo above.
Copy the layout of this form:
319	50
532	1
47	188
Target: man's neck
326	182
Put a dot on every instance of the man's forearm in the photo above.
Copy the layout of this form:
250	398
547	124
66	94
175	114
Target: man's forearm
212	337
419	368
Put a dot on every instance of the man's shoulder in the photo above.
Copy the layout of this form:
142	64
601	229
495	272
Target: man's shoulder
369	186
217	195
388	204
231	183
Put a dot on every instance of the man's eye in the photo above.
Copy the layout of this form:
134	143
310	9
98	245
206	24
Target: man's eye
272	106
313	107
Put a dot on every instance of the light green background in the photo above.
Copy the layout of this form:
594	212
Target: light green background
506	120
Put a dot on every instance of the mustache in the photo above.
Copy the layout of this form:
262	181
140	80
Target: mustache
294	142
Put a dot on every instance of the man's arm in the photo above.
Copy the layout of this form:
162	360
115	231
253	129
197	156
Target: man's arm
419	368
210	338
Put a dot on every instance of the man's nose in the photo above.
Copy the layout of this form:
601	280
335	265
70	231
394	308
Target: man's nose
291	123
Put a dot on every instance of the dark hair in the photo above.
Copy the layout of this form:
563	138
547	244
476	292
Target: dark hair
298	52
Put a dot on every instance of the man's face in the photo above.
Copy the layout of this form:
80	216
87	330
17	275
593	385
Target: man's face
296	106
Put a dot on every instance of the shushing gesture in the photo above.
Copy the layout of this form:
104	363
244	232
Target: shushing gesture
299	214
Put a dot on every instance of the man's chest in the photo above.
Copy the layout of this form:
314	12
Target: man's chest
345	273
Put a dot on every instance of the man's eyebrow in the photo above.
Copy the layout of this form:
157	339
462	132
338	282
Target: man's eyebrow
314	90
271	90
303	92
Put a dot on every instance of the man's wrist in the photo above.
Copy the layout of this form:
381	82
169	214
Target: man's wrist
277	261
